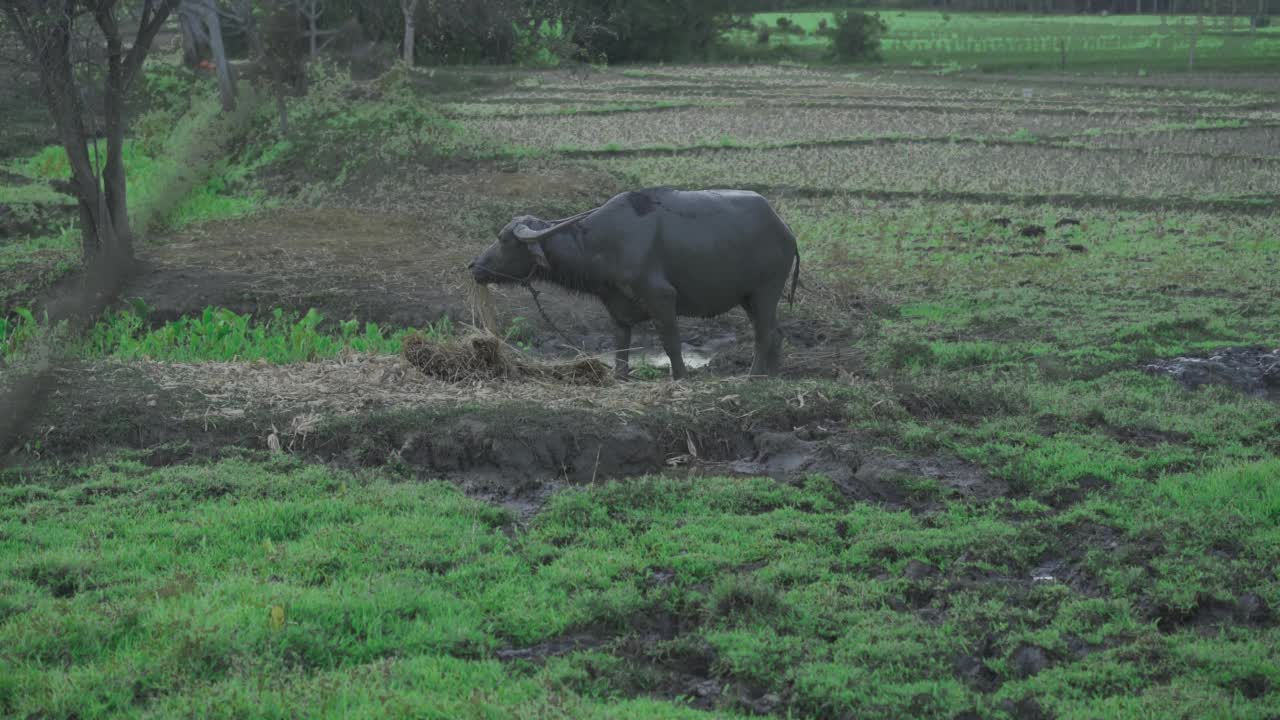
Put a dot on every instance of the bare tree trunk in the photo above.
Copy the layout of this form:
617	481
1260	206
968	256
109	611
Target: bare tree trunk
244	15
190	51
280	33
282	109
408	8
115	196
311	10
226	83
68	117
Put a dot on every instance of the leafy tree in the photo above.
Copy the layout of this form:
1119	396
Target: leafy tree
78	47
857	35
644	30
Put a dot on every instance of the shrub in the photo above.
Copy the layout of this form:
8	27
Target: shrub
644	30
447	31
857	35
784	22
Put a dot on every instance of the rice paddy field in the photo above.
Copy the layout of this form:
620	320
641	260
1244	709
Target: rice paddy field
1023	460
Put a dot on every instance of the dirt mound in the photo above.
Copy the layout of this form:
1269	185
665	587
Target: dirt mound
1255	371
501	438
481	356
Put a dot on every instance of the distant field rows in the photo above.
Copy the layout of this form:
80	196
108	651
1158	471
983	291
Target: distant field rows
764	125
1042	100
959	168
518	106
837	93
1255	141
679	128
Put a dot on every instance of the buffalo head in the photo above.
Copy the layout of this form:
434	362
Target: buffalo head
517	254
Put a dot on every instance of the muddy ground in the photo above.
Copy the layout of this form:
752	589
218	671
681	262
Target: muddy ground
512	443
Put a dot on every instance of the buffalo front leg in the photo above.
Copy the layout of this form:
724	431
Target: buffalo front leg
621	351
669	331
661	304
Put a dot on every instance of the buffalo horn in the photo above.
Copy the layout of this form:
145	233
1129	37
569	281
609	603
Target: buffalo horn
524	232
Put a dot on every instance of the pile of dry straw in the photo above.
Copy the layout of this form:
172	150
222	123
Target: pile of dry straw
482	355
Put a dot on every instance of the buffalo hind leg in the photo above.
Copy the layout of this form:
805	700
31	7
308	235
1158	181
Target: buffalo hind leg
763	313
622	350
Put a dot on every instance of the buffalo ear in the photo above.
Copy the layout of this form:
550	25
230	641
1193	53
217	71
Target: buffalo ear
539	257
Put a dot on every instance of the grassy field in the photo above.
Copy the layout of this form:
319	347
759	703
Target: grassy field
969	494
999	41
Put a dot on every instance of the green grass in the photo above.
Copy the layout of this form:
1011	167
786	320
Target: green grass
248	587
30	265
219	334
970	280
146	174
993	41
16	331
31	194
173	612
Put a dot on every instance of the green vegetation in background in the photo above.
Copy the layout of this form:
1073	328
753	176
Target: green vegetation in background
994	41
219	334
329	133
16	331
241	587
175	175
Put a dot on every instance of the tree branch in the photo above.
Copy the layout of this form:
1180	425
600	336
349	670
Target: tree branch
146	33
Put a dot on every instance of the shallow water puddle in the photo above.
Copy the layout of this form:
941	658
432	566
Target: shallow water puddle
693	358
696	355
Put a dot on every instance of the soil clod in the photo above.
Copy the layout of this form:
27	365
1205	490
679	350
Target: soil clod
1255	371
973	671
1029	660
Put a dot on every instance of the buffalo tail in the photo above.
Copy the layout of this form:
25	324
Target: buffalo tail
795	280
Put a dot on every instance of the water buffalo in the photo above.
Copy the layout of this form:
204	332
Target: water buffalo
658	254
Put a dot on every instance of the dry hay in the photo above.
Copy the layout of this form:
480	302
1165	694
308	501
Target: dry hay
359	384
482	307
483	356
